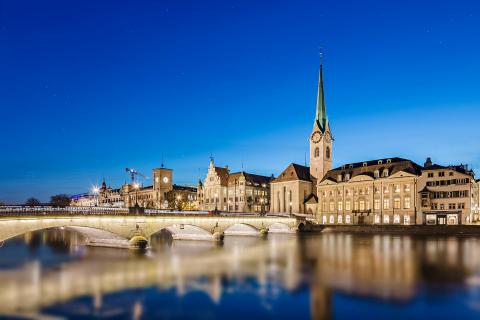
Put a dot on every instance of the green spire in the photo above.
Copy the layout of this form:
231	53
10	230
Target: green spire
321	116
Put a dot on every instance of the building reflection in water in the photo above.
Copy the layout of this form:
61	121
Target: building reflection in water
382	267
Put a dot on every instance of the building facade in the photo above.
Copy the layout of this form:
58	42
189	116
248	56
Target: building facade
398	191
448	194
381	191
290	190
162	194
233	192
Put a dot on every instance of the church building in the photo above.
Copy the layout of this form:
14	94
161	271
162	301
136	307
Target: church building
294	190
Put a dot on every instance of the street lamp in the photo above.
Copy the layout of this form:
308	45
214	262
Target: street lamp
95	191
136	186
216	201
262	208
179	197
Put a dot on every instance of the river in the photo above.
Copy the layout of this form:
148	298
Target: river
52	274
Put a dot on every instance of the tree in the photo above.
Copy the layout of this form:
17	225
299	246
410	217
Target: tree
32	202
2	203
60	200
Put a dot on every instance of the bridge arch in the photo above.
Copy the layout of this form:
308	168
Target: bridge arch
93	233
279	227
188	232
242	229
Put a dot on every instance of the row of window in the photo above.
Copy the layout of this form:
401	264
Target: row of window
396	188
363	205
450	194
440	174
447	182
377	219
451	206
346	177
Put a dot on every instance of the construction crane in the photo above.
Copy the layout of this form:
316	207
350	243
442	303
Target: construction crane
134	173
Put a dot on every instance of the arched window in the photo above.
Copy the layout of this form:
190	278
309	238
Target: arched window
317	152
327	153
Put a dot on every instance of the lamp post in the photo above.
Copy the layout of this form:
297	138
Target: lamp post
216	201
179	197
262	206
95	191
136	186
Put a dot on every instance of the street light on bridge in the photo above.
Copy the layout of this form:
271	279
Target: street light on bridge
95	191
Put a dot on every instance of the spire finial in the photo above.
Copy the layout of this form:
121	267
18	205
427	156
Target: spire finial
163	165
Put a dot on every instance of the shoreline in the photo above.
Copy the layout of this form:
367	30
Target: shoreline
457	230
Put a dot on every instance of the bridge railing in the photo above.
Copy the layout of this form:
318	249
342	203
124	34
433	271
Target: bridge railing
74	210
16	211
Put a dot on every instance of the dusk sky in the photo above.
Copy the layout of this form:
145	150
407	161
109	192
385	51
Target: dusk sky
88	88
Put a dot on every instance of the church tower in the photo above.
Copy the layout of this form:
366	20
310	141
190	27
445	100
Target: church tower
321	138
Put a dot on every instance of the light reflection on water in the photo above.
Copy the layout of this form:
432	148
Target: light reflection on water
284	276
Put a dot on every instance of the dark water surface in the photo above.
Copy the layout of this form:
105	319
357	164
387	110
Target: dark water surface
52	274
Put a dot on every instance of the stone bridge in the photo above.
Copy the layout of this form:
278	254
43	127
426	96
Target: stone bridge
136	231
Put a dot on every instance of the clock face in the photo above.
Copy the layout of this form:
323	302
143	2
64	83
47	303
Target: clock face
165	179
316	137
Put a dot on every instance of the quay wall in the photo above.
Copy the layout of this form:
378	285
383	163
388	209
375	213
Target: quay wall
468	230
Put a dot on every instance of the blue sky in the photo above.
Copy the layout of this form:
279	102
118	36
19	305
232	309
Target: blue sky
88	88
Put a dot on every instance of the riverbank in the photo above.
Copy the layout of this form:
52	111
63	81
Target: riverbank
473	230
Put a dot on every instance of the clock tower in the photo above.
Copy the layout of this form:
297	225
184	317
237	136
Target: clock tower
321	137
162	183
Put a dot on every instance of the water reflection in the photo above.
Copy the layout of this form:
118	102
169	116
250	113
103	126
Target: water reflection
309	276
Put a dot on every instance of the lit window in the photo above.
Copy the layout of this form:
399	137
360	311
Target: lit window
386	203
396	203
406	203
362	205
396	218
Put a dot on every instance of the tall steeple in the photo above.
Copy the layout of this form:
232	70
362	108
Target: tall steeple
321	137
321	115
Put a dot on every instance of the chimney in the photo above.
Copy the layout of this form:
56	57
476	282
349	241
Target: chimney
428	163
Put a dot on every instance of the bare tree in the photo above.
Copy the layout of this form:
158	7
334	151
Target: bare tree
60	200
32	202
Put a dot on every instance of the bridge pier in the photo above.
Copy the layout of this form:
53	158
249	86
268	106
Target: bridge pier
138	242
